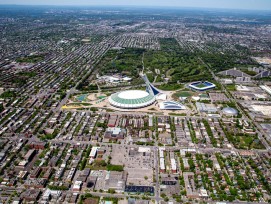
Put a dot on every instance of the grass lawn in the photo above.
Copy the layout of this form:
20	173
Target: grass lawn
182	94
170	87
201	85
231	87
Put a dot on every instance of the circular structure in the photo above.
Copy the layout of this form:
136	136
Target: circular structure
230	111
131	99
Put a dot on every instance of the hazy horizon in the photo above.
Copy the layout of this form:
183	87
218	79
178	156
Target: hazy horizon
222	4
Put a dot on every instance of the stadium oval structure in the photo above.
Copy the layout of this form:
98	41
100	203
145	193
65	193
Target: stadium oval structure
201	85
131	99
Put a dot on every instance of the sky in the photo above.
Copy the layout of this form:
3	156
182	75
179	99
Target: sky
228	4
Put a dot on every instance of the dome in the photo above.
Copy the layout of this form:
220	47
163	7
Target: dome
230	111
131	99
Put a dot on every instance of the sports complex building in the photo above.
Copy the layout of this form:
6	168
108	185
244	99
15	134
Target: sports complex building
201	86
132	99
171	105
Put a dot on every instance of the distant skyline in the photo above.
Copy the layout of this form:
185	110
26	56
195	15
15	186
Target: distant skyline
225	4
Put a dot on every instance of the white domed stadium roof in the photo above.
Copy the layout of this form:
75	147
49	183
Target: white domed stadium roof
131	99
133	94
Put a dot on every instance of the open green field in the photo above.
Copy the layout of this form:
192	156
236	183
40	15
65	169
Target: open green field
201	85
231	87
182	94
170	87
175	63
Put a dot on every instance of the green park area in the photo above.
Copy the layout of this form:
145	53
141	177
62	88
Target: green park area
170	87
127	62
248	142
171	61
177	64
231	87
31	59
182	94
8	94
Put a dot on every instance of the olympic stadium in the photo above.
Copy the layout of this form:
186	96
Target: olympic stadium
132	99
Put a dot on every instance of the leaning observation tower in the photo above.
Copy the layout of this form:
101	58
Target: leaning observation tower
149	87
